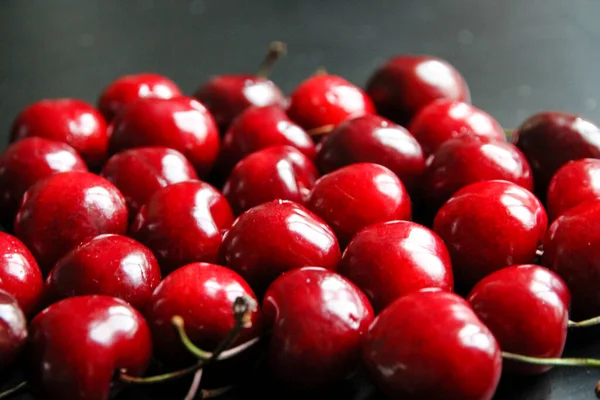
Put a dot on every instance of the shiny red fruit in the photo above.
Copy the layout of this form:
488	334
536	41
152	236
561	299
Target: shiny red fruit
180	123
406	84
77	344
431	345
527	309
13	330
371	138
390	259
65	210
71	121
326	99
138	173
359	195
276	237
488	226
317	320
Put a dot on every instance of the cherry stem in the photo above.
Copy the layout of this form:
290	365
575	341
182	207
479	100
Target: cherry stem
586	323
569	362
13	390
320	71
212	393
195	386
276	51
509	132
321	130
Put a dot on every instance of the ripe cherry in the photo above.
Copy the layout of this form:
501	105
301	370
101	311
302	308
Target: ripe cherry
13	330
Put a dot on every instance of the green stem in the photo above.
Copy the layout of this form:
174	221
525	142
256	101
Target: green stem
13	390
585	323
569	362
276	51
148	380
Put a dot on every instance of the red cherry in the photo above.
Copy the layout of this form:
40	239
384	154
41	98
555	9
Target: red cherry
19	273
13	329
129	88
326	99
63	210
488	226
371	138
275	237
279	172
183	223
431	345
526	307
179	123
406	84
111	265
445	119
203	295
77	344
574	183
317	320
138	173
71	121
359	195
390	259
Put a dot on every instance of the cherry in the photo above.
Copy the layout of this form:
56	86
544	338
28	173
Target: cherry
138	173
405	84
444	119
71	121
63	210
76	358
324	99
488	226
279	172
526	307
390	259
13	329
129	88
359	195
180	123
431	345
275	237
370	138
317	320
183	223
111	265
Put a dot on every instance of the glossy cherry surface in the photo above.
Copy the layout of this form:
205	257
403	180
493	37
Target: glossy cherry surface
326	99
66	209
405	84
128	88
359	195
370	138
183	223
527	309
317	320
13	330
278	172
180	123
390	259
76	358
275	237
431	345
488	226
138	173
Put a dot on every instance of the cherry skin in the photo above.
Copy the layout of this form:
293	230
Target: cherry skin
431	345
107	332
111	265
183	223
279	172
63	210
445	119
488	226
71	121
405	84
13	330
359	195
317	320
129	88
574	183
324	99
180	123
370	138
390	259
138	173
276	237
527	309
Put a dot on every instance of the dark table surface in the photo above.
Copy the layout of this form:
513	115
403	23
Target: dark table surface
518	56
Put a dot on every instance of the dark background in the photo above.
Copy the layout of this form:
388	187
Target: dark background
518	56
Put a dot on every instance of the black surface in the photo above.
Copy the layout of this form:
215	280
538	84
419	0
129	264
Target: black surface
518	56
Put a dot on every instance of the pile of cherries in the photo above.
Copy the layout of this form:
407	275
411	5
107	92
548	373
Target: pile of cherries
394	231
